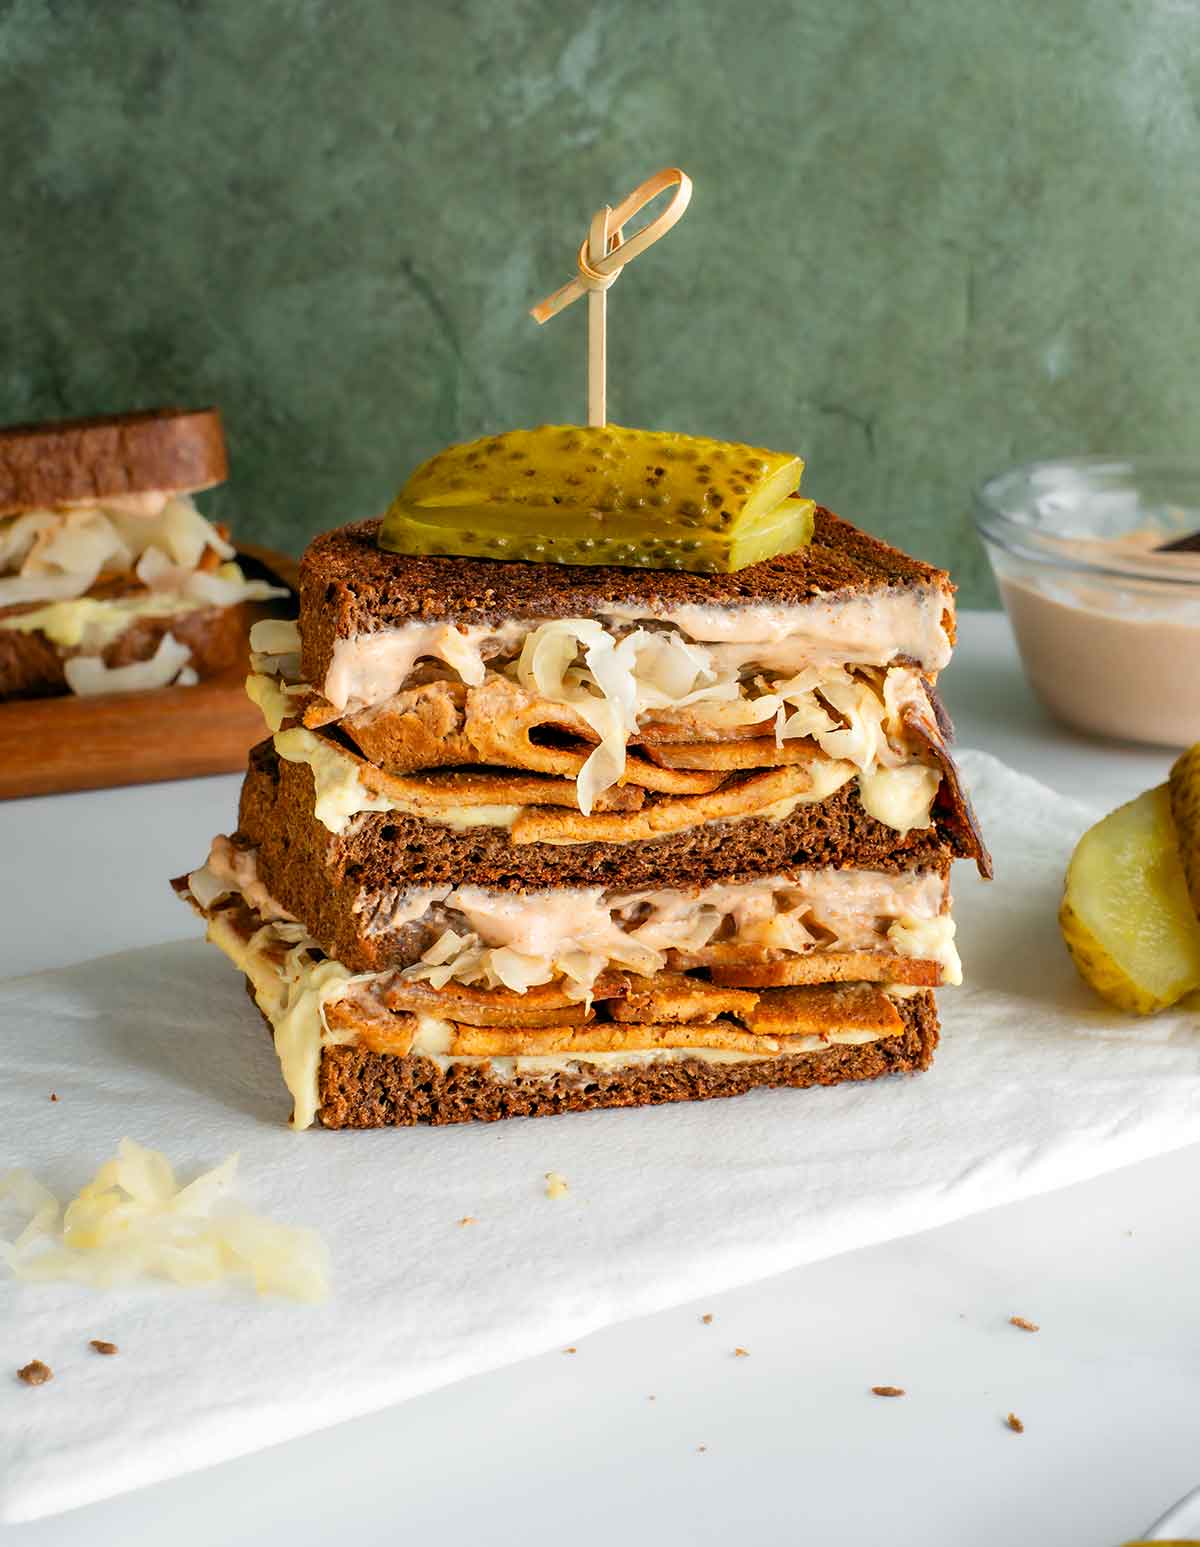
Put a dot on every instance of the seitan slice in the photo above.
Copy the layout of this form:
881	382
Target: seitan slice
670	996
821	1008
739	797
610	1037
831	967
546	1004
755	752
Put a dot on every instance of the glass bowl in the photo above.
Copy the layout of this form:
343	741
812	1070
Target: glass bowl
1108	628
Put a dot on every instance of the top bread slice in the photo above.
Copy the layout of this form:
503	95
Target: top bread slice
85	461
351	586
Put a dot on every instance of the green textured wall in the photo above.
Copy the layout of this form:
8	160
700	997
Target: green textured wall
928	238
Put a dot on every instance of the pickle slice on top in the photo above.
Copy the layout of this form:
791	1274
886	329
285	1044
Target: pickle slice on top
566	494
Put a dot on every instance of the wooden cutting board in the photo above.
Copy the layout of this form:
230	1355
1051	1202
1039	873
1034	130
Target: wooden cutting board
50	745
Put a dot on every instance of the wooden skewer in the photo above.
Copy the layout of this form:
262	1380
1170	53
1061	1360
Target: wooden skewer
602	255
597	250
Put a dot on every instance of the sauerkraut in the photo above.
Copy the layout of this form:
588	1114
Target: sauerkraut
496	940
133	1220
612	684
175	560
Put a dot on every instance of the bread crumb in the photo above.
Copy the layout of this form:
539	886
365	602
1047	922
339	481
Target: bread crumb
556	1185
467	1219
707	1320
571	1350
701	1447
1015	1424
35	1373
102	1347
888	1391
53	1097
741	1353
1025	1326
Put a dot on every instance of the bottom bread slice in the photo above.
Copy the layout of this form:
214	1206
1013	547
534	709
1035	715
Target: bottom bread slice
32	666
362	1089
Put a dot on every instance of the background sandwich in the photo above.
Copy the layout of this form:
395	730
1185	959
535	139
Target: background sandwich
110	578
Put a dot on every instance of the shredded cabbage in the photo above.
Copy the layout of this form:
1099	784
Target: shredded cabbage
618	681
275	652
496	941
50	555
33	1199
133	1220
88	675
275	637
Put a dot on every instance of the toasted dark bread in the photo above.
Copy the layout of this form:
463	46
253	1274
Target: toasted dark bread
349	585
78	461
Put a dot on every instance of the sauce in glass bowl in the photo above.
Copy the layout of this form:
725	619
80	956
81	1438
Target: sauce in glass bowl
1108	624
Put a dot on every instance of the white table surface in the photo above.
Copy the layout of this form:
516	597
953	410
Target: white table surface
652	1430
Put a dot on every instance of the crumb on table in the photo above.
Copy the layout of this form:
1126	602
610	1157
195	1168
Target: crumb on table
468	1219
102	1347
35	1373
888	1391
556	1185
741	1353
571	1350
1025	1326
707	1320
1015	1424
53	1097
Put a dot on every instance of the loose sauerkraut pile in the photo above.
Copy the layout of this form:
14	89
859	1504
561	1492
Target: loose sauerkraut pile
133	1220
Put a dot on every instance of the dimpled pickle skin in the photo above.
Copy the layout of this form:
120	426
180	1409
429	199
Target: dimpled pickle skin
1184	785
570	494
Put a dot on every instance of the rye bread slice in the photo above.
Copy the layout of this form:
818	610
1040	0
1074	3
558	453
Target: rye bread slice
349	585
75	461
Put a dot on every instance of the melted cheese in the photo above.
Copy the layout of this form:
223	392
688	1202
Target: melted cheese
341	794
68	623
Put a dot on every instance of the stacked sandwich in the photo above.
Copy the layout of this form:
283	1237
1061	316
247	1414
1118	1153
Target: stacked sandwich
533	833
110	578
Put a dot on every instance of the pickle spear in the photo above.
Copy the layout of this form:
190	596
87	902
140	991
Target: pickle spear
1126	916
566	494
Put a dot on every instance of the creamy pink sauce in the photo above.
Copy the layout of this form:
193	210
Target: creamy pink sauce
1133	675
230	869
871	630
150	503
851	904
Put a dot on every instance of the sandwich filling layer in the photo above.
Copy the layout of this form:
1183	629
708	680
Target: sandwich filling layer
82	577
500	939
345	786
544	981
892	624
649	710
312	1002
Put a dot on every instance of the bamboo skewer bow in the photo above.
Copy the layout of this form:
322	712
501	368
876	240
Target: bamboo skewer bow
603	253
